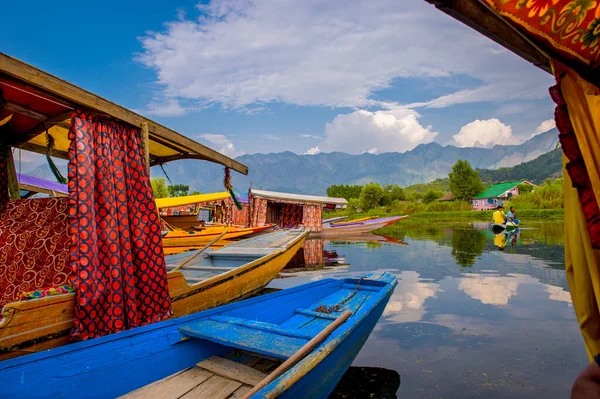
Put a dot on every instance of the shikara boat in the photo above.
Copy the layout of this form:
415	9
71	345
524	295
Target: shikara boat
182	238
188	221
359	227
216	278
334	219
353	221
316	329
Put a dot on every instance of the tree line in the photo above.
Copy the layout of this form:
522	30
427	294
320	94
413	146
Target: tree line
161	189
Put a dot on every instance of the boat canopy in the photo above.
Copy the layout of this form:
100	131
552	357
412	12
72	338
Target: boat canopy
190	199
298	197
38	185
38	102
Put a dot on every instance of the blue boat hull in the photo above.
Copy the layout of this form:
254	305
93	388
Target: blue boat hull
114	365
322	380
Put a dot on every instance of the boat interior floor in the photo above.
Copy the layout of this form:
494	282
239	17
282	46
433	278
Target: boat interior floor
231	376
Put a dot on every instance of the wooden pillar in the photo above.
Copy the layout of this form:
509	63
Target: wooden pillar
13	182
146	145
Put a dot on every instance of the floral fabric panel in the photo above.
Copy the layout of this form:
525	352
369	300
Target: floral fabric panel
48	291
570	26
117	262
313	217
34	246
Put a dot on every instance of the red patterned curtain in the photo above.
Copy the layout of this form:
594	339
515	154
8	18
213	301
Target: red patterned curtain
117	262
313	217
259	212
4	194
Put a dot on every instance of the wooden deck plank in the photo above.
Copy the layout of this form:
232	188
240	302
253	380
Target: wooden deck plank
240	392
216	387
232	370
173	386
266	365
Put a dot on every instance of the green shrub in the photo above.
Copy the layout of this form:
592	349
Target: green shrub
549	195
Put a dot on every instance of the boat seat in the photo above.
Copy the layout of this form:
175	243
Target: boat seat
254	336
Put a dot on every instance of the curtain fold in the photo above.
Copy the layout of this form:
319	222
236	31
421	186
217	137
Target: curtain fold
4	194
117	262
578	122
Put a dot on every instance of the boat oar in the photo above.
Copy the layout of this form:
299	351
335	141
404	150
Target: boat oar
514	224
194	256
299	355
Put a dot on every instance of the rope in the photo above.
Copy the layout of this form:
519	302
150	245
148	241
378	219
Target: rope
338	307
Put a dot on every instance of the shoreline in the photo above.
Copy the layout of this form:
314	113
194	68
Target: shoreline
456	217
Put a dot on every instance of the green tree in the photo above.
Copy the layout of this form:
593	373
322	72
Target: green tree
370	196
464	181
195	192
159	187
344	191
431	195
525	188
178	190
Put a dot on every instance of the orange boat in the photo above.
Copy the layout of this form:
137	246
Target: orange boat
182	238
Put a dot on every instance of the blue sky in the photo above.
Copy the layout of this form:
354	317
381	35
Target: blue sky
281	75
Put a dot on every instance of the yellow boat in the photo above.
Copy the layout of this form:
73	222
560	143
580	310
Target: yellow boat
190	220
182	238
218	277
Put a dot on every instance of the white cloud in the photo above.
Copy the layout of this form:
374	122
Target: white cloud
313	151
407	304
243	52
372	151
485	133
396	130
493	290
311	136
222	143
270	137
544	127
167	108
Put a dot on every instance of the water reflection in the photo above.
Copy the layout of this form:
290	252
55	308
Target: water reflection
466	319
367	383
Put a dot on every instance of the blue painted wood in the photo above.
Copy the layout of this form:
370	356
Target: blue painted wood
114	365
312	313
246	338
267	327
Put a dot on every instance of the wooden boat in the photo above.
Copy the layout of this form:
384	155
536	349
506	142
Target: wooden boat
353	221
219	353
334	219
365	226
188	221
181	238
238	270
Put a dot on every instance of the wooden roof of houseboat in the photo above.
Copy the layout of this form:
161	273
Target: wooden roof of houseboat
273	195
40	102
482	16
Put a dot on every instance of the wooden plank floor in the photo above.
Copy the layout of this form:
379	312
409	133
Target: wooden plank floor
213	378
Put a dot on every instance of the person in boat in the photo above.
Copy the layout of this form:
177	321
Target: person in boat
498	216
512	215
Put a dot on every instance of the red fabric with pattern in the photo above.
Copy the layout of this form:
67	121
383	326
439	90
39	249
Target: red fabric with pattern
576	166
4	194
34	246
117	262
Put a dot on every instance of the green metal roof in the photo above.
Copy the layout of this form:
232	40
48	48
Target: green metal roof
498	189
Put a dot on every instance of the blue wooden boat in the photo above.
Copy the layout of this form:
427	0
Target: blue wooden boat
218	353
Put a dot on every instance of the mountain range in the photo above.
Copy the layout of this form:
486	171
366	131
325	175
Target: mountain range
312	174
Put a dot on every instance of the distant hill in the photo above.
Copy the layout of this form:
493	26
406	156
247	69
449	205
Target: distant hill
536	171
312	174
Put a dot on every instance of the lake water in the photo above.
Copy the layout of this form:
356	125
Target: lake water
467	320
